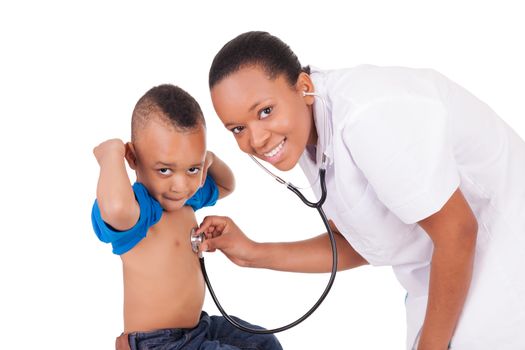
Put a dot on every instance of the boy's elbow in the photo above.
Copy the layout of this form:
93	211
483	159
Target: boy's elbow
229	185
225	191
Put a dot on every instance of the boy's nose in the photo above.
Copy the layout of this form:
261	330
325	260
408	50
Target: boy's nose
178	185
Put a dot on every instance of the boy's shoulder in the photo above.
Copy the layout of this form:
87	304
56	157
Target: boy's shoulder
123	241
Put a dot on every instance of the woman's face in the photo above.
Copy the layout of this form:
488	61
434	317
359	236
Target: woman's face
269	119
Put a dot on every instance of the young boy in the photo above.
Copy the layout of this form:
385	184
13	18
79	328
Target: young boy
148	225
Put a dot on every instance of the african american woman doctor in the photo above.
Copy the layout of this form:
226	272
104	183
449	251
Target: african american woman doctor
421	176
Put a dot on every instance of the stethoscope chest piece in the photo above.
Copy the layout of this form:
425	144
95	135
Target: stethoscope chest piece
196	240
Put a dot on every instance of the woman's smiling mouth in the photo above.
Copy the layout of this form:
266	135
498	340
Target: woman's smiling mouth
274	152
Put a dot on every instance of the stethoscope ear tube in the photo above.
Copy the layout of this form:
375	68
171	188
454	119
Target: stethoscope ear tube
320	202
318	206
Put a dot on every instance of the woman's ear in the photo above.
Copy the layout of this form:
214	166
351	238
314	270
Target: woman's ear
131	156
305	85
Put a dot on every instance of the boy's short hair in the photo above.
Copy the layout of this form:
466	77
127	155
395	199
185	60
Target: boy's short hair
168	103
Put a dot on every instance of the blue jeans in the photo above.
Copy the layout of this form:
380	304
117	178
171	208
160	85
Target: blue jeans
212	333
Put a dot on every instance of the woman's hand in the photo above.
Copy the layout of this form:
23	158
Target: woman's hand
223	234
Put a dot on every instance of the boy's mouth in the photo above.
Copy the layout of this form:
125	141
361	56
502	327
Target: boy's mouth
174	199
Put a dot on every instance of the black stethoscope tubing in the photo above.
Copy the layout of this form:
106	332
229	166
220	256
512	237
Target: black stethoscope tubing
317	205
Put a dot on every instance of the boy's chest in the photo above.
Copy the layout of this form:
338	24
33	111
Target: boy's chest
167	239
175	224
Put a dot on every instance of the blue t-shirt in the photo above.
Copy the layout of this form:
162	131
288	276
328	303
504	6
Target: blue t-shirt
150	214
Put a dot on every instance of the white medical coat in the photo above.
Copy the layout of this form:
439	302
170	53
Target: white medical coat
400	142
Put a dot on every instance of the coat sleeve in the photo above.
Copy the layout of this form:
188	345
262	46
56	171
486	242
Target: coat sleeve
403	147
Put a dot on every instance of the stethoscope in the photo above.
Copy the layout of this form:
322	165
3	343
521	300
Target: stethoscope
197	239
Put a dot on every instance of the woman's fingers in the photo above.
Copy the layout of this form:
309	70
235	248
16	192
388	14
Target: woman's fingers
209	233
222	233
210	245
213	224
213	227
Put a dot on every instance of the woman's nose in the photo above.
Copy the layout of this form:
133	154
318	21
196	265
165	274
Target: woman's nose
258	136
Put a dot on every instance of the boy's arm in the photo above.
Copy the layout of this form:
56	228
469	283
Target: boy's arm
221	173
115	197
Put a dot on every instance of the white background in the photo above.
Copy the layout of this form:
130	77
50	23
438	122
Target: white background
70	74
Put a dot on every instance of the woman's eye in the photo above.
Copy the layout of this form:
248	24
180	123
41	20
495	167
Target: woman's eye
193	171
265	112
165	171
237	130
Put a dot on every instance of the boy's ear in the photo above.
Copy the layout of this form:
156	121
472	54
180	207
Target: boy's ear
204	174
207	163
131	156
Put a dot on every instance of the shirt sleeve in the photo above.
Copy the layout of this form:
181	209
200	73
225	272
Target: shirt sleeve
206	196
403	147
123	241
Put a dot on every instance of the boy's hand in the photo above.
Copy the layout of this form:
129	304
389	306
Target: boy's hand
223	234
110	147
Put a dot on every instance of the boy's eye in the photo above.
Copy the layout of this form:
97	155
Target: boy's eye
237	130
165	171
193	171
265	112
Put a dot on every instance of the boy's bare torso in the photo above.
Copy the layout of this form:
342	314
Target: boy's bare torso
163	284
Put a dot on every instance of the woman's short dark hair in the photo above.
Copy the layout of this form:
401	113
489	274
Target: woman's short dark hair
256	49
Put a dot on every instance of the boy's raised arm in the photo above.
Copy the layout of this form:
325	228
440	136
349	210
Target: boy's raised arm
221	173
115	197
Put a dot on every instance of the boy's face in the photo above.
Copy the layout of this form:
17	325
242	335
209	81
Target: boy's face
169	163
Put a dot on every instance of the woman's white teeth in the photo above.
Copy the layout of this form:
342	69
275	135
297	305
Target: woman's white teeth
276	150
